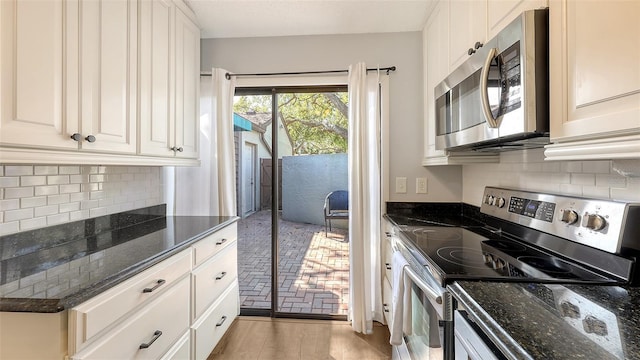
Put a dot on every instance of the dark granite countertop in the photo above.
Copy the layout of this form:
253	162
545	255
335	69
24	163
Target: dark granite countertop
539	321
56	268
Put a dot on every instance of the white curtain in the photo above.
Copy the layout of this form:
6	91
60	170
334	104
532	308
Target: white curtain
364	199
210	189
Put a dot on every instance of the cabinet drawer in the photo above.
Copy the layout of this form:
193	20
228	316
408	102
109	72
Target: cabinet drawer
158	325
213	243
212	277
180	350
387	296
91	317
214	323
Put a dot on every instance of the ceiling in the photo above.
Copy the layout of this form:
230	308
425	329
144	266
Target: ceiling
257	18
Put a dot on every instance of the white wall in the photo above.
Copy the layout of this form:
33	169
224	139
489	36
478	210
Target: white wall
335	52
33	196
528	170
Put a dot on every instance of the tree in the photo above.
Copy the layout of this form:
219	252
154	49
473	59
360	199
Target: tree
316	122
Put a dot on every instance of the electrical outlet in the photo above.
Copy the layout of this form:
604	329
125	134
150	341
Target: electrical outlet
401	185
421	185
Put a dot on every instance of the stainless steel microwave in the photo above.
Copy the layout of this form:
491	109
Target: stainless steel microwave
499	98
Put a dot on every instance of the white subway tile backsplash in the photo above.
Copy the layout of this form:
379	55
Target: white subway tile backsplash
68	207
58	219
33	202
46	210
57	179
45	170
38	196
58	199
47	190
10	204
69	170
33	180
613	181
16	193
9	182
17	170
70	188
583	179
78	215
15	215
527	170
596	167
34	223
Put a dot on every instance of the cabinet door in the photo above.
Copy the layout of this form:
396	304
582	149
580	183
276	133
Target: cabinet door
156	77
108	73
435	47
595	71
467	25
37	77
501	12
187	87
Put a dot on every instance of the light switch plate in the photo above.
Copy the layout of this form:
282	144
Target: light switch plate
421	185
401	185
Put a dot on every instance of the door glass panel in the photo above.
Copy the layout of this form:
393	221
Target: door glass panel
252	114
313	264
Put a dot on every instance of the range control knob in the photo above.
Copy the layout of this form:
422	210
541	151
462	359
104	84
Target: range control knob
500	202
569	216
594	222
488	199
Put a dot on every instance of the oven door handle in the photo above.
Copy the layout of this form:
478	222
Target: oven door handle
426	288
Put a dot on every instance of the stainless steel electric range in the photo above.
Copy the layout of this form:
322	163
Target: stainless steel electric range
517	236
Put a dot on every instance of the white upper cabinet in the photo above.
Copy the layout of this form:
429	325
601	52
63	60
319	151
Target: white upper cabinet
99	82
594	79
156	77
502	12
37	83
108	71
467	29
169	81
187	95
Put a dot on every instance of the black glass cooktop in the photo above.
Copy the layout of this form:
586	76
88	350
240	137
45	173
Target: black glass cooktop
473	252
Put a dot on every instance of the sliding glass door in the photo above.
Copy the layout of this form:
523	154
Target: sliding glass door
292	262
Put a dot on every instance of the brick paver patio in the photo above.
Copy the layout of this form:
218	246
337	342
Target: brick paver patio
313	268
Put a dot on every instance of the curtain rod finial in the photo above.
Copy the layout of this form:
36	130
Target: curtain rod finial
227	76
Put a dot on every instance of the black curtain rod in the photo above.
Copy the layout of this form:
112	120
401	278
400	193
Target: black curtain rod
229	75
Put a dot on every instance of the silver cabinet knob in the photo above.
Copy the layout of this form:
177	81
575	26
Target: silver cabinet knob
90	138
76	137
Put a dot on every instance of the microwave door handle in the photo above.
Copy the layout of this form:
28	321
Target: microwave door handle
484	90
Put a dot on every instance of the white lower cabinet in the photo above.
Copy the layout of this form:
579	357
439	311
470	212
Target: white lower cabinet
91	317
181	350
150	332
177	309
209	328
213	277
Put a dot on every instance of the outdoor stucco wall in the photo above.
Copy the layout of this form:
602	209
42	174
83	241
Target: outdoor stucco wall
306	180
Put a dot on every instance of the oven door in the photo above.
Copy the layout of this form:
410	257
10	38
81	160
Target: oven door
427	337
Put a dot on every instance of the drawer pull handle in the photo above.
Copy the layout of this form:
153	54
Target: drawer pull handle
222	274
224	318
222	241
156	335
387	265
388	234
158	284
386	308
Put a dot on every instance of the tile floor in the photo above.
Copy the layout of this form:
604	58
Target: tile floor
313	267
